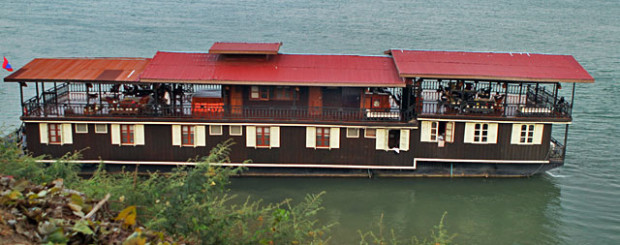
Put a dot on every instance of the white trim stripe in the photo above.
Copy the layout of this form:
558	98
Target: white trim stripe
268	165
490	121
224	124
290	165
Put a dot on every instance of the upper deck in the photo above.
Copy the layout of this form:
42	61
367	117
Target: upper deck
233	84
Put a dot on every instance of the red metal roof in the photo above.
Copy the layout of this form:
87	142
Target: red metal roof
244	48
490	66
283	69
80	69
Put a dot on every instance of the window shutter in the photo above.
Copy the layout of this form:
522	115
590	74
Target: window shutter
201	136
67	134
492	133
449	132
310	137
250	137
116	134
381	141
274	139
43	133
334	138
176	135
469	132
538	133
425	134
404	140
139	134
515	137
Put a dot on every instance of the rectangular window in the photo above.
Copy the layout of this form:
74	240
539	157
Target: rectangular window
263	93
437	131
188	135
353	132
527	134
81	128
215	130
101	128
370	133
54	133
322	137
262	136
236	130
254	92
127	134
284	93
449	132
434	131
259	93
481	132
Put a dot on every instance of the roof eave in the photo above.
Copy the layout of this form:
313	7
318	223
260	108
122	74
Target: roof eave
492	78
274	83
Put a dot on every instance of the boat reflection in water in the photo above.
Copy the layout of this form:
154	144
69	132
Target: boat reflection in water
480	211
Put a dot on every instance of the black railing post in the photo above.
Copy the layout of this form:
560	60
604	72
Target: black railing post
565	141
100	97
21	97
572	100
505	99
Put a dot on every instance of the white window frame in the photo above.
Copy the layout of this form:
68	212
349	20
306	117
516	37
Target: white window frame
138	135
430	131
77	131
254	93
370	136
105	126
434	133
230	130
470	133
355	135
199	136
334	138
535	129
381	139
211	127
274	137
405	135
481	133
66	134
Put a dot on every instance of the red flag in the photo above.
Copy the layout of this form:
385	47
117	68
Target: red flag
6	65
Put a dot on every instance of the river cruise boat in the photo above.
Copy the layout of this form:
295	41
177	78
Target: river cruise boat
401	113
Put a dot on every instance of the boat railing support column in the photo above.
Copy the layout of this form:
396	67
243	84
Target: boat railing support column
100	97
43	97
506	98
572	100
451	170
21	96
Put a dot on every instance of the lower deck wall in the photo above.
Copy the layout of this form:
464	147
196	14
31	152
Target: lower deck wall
502	150
352	151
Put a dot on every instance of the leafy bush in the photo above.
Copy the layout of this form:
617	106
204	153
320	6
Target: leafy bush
193	203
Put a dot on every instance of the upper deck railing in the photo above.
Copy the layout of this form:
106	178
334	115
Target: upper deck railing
70	100
219	112
491	100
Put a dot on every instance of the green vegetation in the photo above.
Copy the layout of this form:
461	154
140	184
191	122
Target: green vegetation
192	203
439	235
